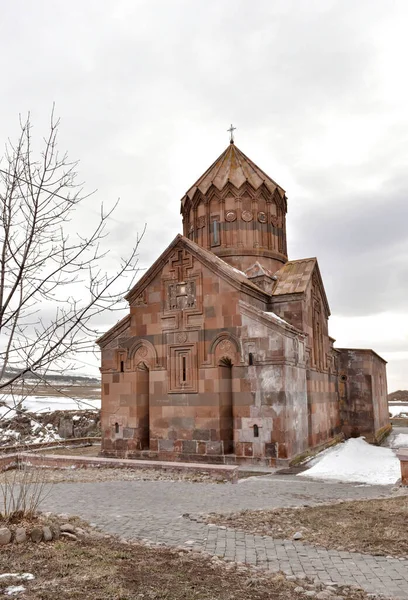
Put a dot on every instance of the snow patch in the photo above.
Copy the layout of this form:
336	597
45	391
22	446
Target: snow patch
396	410
400	441
275	316
11	590
39	404
356	461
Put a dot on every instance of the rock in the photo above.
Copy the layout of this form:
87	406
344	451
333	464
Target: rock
5	536
47	534
310	594
56	531
20	535
37	534
68	535
325	595
67	527
299	589
298	535
291	578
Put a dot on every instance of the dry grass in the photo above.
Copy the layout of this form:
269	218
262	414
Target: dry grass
95	475
377	527
105	569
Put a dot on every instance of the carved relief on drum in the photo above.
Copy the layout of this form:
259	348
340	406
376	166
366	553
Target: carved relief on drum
231	215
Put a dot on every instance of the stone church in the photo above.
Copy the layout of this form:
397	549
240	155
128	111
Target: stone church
225	354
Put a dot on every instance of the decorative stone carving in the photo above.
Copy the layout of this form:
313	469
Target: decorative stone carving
247	215
225	346
172	296
182	337
181	295
142	352
231	215
191	294
141	299
201	221
275	220
262	218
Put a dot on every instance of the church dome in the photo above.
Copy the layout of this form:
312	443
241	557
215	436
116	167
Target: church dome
238	212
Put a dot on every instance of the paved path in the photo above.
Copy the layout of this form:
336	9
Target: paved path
164	512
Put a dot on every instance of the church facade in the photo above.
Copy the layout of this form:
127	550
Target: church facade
225	354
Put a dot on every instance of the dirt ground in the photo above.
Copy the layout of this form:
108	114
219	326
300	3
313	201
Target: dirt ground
93	450
102	569
377	527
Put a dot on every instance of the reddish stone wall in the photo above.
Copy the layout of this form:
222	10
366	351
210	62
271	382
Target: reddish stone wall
308	313
245	388
362	393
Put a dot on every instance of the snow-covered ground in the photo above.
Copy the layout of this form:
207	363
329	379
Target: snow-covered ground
356	461
40	404
396	409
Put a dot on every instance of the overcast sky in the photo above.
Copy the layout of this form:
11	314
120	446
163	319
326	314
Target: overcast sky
317	90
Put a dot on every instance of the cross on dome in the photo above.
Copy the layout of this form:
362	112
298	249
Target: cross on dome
231	131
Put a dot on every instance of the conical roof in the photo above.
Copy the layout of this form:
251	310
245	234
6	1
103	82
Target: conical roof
235	167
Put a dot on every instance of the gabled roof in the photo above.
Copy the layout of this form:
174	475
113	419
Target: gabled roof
209	259
233	166
294	277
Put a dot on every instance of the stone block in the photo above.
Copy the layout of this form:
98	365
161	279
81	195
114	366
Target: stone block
189	447
203	435
166	445
270	450
214	448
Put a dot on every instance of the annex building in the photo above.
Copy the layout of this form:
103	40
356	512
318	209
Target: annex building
225	354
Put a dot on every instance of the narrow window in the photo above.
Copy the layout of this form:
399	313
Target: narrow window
251	359
256	431
116	427
122	366
184	369
215	231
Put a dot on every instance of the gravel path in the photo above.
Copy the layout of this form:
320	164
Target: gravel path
164	511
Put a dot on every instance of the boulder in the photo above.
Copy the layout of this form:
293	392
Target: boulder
20	535
37	534
5	536
47	534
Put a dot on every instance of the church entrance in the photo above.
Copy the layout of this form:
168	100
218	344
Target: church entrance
226	405
143	404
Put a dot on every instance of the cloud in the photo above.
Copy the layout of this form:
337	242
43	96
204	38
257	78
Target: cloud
147	89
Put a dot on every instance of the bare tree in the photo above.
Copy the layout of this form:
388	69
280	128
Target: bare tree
43	265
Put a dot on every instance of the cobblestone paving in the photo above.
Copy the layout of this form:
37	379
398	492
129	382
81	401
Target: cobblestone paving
164	512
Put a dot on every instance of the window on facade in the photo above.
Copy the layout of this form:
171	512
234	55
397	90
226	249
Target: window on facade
250	359
122	366
256	431
215	232
116	427
183	369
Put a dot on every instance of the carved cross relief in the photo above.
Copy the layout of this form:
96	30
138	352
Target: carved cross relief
181	291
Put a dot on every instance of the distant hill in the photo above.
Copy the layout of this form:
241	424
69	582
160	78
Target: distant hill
62	378
398	396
